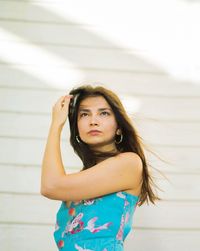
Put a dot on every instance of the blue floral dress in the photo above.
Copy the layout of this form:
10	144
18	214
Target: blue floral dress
99	224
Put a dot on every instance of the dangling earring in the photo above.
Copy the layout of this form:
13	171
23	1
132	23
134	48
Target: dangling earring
77	139
121	138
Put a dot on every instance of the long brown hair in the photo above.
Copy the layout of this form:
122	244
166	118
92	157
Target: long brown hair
131	142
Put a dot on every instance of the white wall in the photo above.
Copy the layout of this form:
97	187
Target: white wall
47	47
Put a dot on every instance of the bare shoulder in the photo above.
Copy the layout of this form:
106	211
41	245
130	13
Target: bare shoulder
132	159
134	167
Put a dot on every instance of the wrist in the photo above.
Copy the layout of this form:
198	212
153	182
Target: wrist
56	126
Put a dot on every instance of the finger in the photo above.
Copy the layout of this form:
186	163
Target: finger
66	100
60	99
63	102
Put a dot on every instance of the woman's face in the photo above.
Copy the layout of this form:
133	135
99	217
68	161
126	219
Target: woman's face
95	113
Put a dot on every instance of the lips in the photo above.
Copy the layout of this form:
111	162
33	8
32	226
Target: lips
94	132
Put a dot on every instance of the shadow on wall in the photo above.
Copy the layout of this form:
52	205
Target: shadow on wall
60	47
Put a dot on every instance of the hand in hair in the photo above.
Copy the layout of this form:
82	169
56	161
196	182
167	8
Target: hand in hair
60	110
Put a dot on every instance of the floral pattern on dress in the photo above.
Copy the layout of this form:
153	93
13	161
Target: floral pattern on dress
77	225
83	249
124	218
76	222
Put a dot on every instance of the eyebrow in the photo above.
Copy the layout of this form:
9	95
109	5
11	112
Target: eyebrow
87	110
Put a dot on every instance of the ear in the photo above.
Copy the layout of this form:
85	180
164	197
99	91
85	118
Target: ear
118	131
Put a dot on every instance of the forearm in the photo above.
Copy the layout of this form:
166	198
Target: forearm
52	165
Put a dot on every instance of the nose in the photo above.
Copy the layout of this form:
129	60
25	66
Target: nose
93	120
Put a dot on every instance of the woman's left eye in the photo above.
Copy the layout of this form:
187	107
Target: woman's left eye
105	113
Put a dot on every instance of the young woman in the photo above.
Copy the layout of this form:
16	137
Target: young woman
98	203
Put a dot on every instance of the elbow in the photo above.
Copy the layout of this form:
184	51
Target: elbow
50	189
44	191
46	188
48	192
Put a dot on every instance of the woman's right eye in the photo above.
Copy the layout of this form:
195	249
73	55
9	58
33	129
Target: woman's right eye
83	114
